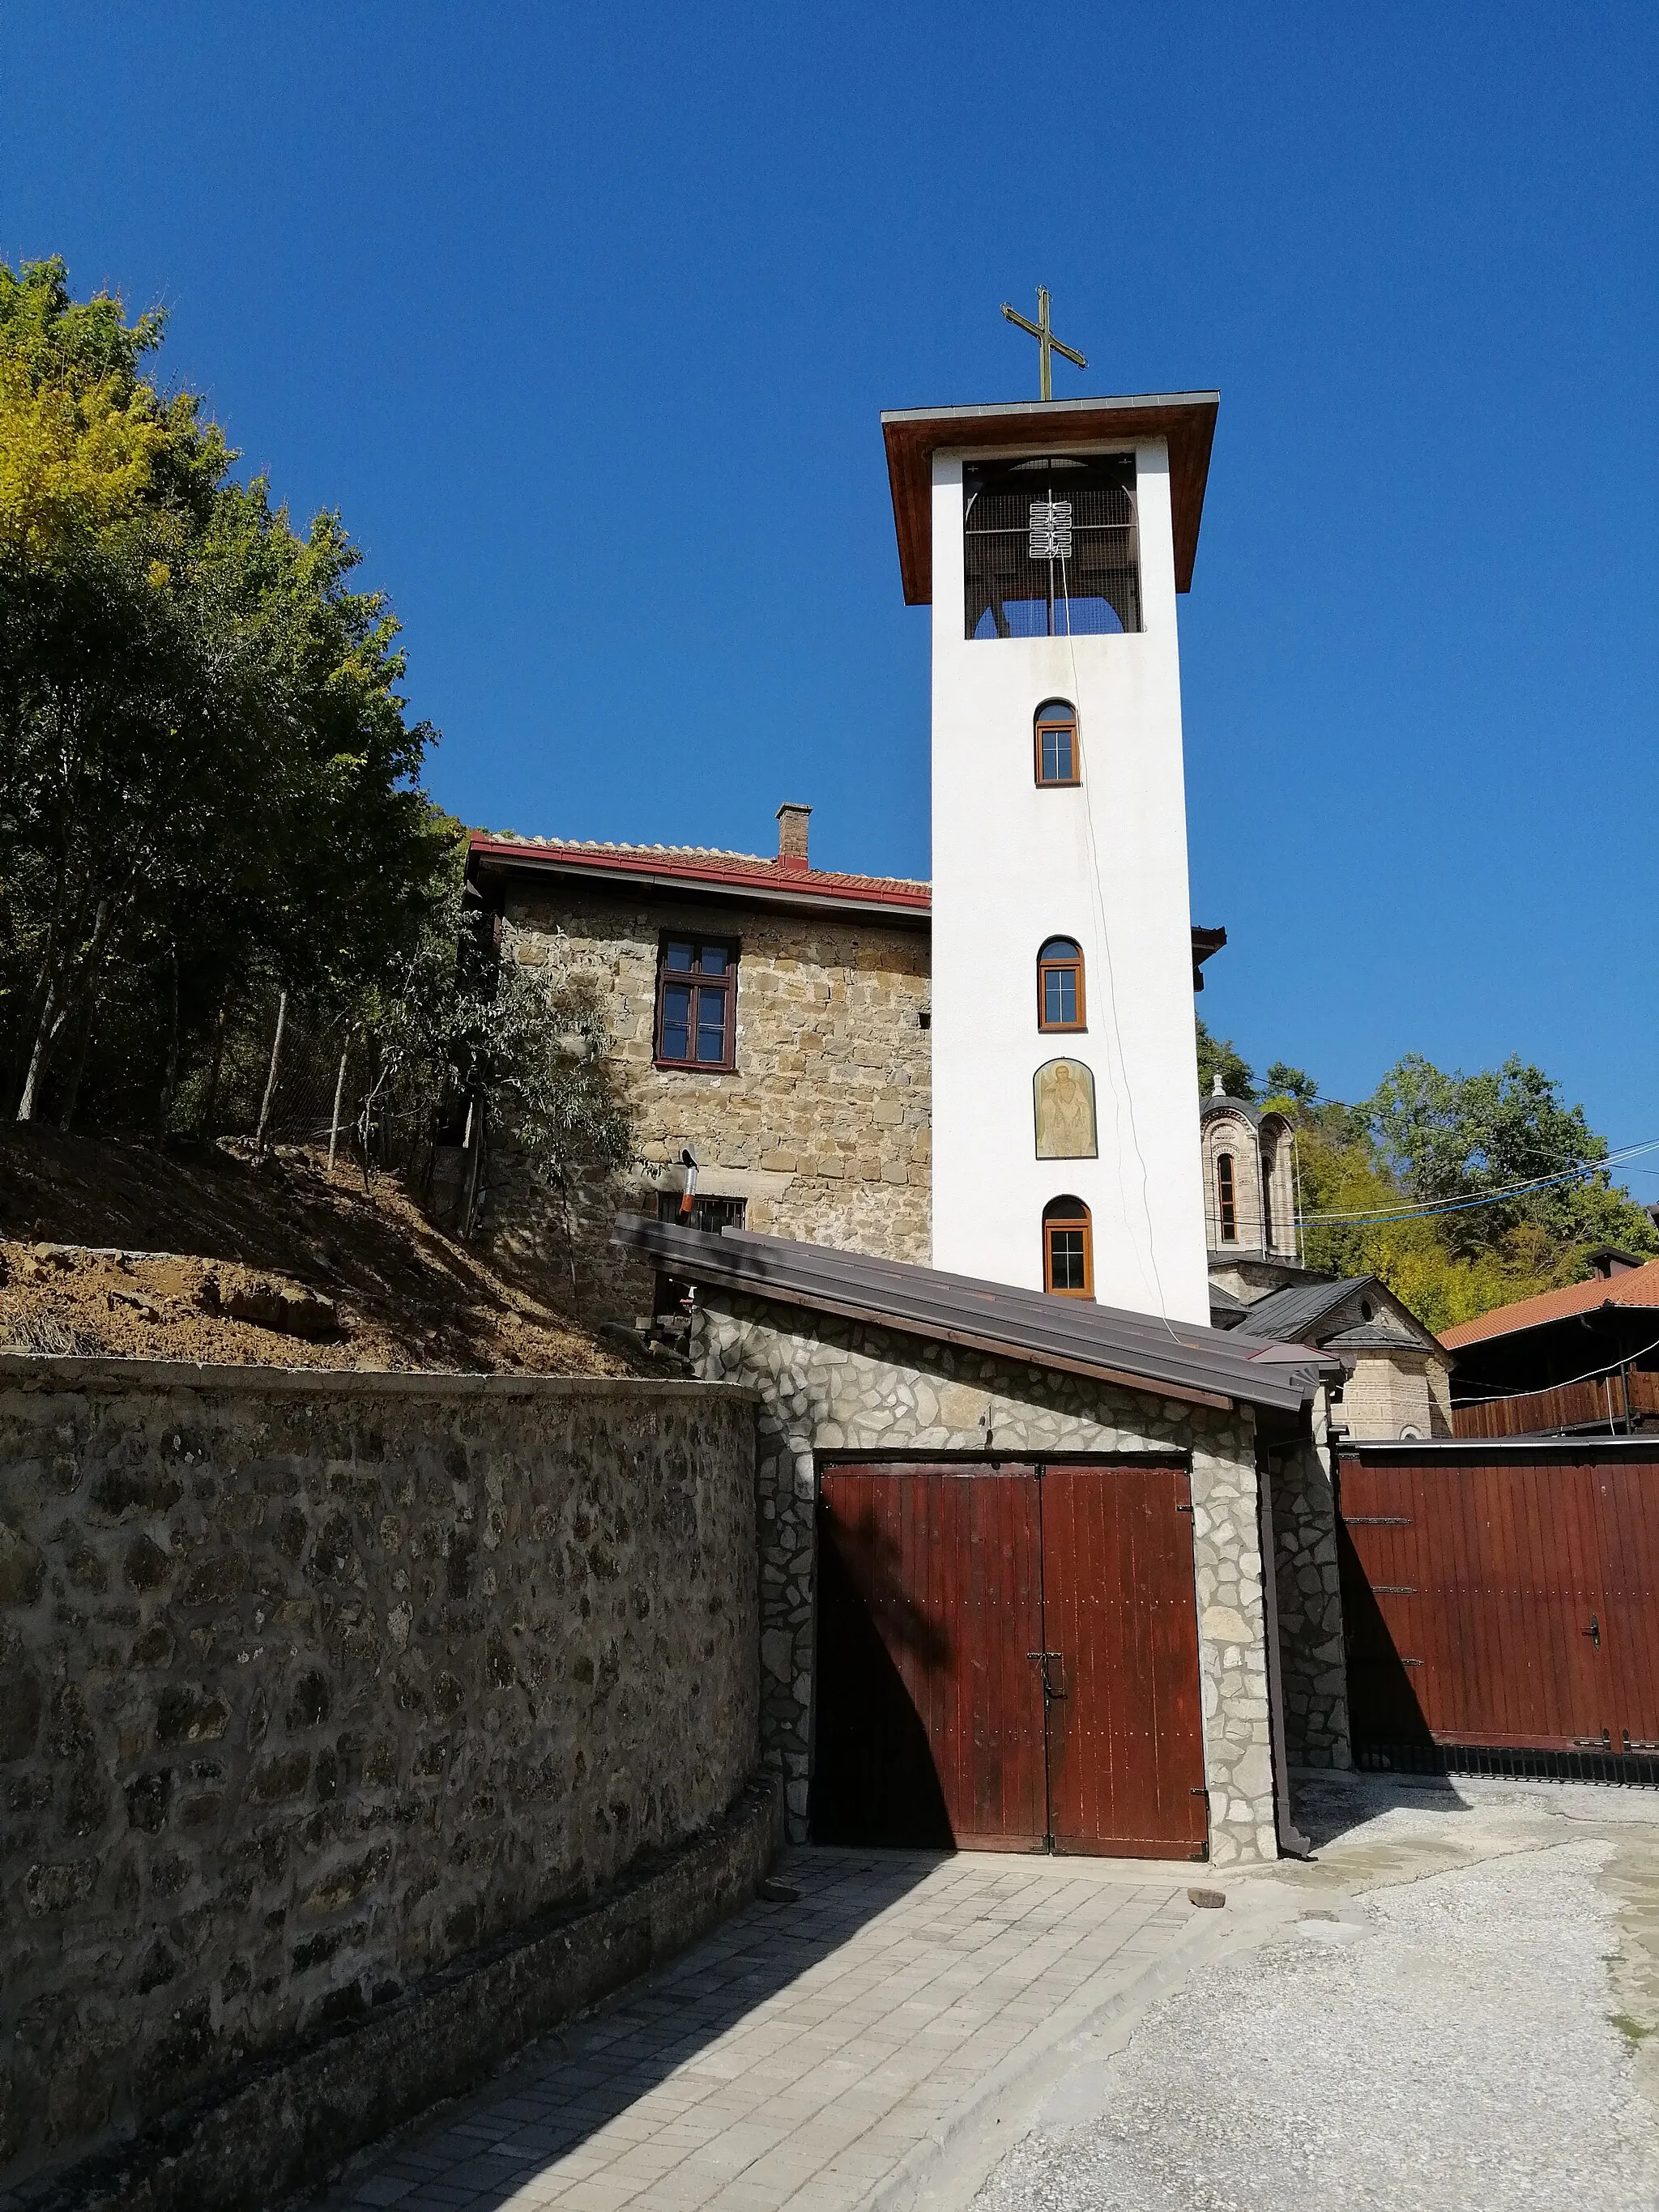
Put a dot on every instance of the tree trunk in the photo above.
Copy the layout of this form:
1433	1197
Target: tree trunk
475	1126
339	1093
61	1001
271	1077
170	1080
53	1013
80	1067
210	1102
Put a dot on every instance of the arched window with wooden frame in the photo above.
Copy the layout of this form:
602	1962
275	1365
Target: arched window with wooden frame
1054	743
1068	1251
1267	1198
1061	1004
1226	1199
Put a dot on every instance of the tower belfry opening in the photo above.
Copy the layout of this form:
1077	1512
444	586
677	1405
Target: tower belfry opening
1049	547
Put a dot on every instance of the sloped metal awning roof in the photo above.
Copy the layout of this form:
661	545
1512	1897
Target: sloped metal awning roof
1176	1359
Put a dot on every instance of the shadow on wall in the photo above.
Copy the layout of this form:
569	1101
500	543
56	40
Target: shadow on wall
568	2087
874	1779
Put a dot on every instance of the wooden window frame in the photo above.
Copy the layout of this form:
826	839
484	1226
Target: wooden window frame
1057	967
1226	1199
727	985
1081	1220
1045	720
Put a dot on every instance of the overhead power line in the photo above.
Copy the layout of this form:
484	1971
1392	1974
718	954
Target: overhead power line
1430	1206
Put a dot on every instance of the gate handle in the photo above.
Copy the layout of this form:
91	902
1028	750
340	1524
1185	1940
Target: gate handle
1593	1632
1049	1691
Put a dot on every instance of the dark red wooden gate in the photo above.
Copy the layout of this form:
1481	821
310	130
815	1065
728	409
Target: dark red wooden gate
1502	1596
1007	1658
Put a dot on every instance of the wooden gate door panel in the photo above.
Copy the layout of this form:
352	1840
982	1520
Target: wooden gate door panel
1126	1746
1467	1592
1628	1498
929	1727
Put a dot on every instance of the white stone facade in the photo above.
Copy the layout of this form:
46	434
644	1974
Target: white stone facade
1104	863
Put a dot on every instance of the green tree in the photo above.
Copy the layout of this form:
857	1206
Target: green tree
1216	1056
1449	1139
204	757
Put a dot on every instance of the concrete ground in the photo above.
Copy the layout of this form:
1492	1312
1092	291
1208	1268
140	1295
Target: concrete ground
1463	2016
1454	2004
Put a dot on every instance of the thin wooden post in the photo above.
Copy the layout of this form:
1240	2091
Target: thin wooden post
270	1076
170	1080
339	1093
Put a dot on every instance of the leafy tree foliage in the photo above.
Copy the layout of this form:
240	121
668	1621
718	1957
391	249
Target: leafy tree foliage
1427	1137
210	792
1216	1056
205	760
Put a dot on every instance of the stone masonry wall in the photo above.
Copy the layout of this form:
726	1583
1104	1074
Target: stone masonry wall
824	1129
310	1683
832	1386
1307	1587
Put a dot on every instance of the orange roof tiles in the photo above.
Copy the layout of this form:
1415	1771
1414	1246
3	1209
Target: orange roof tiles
1634	1287
692	862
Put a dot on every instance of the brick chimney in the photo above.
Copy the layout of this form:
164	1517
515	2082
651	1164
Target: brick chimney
791	835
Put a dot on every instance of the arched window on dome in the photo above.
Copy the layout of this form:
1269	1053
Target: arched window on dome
1226	1199
1054	743
1267	1198
1059	986
1068	1253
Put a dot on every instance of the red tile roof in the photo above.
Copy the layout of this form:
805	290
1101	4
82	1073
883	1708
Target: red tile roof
702	864
1634	1287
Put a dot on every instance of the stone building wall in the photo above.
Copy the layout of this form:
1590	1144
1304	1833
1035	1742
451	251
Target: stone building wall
824	1126
1389	1393
828	1385
1307	1584
310	1683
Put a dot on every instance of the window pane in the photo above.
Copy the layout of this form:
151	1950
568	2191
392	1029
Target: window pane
711	1026
677	1023
1060	995
1064	771
680	959
1065	1259
1059	948
711	959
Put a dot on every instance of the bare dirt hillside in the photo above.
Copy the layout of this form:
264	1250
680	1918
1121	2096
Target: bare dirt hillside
212	1253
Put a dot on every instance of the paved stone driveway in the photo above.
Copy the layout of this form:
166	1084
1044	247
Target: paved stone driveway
800	2054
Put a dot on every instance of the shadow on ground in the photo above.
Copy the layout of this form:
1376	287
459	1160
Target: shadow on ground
568	2085
1329	1805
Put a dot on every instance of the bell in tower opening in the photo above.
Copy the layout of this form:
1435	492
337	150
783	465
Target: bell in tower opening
1049	548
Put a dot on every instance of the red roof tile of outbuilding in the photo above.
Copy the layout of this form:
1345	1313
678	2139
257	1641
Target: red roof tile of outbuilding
1634	1287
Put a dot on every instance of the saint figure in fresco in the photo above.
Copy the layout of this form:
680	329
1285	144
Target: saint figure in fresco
1063	1097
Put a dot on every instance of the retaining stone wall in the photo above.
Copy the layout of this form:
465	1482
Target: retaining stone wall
828	1385
311	1683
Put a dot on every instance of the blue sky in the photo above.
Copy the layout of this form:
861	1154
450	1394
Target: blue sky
584	317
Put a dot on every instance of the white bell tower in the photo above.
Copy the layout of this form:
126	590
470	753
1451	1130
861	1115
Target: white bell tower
1051	538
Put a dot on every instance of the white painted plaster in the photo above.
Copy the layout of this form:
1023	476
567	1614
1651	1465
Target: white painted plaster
1013	865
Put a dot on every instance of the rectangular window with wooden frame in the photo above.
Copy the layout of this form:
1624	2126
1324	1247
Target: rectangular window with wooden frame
1054	734
1059	986
697	1004
1068	1255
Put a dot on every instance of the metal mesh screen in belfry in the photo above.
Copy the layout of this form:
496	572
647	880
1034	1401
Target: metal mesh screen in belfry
1049	548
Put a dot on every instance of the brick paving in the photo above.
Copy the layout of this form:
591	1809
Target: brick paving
795	2056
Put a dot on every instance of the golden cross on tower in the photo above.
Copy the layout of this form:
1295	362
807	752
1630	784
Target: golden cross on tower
1045	337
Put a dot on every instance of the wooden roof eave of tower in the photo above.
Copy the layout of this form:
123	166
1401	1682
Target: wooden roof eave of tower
1185	420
